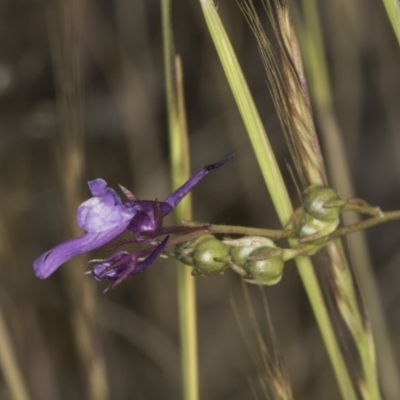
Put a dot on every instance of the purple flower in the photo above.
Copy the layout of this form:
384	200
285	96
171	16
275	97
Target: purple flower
104	216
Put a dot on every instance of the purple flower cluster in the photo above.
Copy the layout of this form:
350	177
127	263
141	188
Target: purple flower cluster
104	216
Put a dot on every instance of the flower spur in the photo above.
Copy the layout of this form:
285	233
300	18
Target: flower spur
104	216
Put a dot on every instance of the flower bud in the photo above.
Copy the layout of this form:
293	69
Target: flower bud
323	203
266	271
210	256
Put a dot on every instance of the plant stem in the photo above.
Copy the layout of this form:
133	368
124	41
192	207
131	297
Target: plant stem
241	230
205	227
368	223
179	155
393	11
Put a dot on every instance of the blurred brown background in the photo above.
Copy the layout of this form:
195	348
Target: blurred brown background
82	96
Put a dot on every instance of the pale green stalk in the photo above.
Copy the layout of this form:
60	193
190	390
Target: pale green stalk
179	155
276	187
313	47
393	11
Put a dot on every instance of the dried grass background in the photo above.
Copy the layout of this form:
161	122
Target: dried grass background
125	141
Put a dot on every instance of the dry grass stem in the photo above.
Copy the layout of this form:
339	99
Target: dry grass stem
289	89
65	32
273	379
9	365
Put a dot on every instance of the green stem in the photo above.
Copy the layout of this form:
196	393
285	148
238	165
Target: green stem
205	227
179	155
368	223
393	11
363	208
316	298
241	230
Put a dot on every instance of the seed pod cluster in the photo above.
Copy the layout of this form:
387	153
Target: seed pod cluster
321	216
256	259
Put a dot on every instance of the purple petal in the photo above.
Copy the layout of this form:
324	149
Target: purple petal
104	211
97	187
174	199
48	262
151	258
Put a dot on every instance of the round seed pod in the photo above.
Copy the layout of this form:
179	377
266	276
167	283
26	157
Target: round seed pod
323	203
267	271
240	249
205	253
310	226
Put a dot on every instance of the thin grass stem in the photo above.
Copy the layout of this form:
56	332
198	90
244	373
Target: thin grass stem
393	11
65	33
180	166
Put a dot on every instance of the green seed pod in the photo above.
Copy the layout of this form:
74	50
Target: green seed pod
268	271
240	249
205	253
184	253
323	203
312	227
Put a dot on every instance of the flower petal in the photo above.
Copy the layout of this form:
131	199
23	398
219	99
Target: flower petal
97	187
181	192
48	262
104	211
151	258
